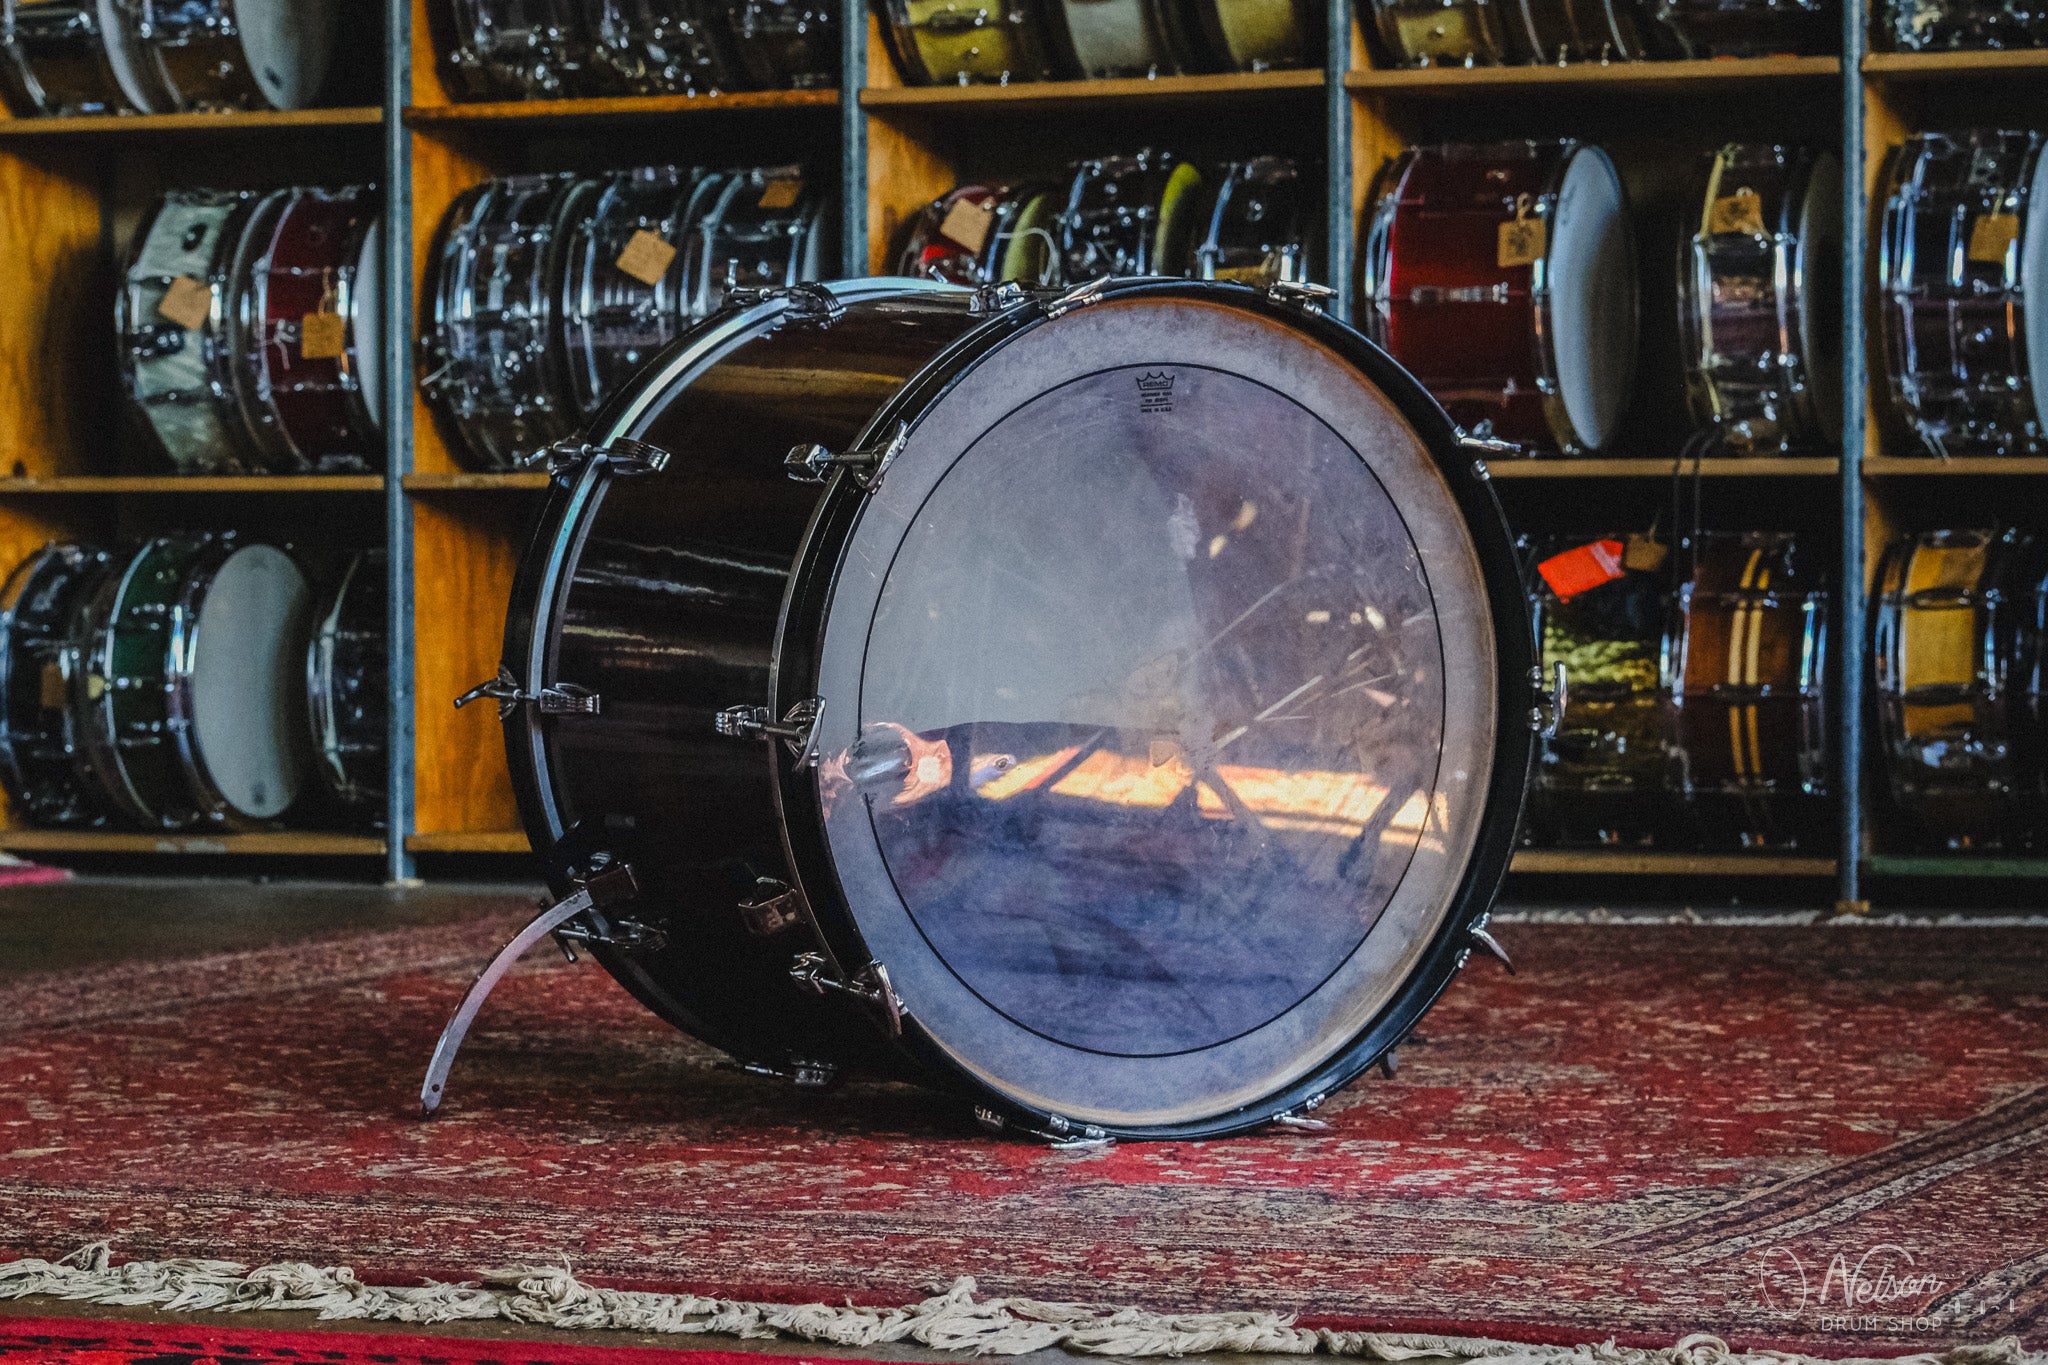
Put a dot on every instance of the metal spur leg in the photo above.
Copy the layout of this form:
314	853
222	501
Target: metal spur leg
609	887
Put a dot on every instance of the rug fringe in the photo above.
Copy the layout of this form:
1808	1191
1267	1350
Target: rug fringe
552	1296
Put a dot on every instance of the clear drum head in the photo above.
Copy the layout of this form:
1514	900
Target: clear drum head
366	328
2034	286
1592	281
289	44
1161	712
248	689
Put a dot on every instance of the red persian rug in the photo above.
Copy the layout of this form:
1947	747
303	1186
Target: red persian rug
1826	1139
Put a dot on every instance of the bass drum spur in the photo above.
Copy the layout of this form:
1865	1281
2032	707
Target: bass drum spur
978	662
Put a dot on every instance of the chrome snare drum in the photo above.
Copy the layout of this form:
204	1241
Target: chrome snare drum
515	49
64	58
347	686
660	47
1130	215
1761	300
762	230
1963	269
236	54
38	745
787	44
616	321
1257	230
1131	653
178	377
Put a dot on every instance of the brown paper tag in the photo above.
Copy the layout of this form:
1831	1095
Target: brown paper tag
323	336
968	224
1522	242
1644	554
1991	234
188	302
646	257
95	686
1741	212
55	694
782	193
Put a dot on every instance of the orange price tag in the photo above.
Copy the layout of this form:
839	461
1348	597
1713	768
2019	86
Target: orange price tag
188	302
646	257
55	693
1645	554
1741	213
967	225
1583	569
1523	242
782	193
1991	234
323	336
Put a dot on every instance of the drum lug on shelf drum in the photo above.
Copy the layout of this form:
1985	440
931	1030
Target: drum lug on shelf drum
872	984
866	465
563	699
798	729
1310	298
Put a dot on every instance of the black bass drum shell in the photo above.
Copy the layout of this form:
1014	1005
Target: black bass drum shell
708	586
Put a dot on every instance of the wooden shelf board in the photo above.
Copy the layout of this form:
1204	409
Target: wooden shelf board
1643	863
241	121
1954	865
1907	66
183	483
1593	75
443	482
619	107
1625	468
1068	94
1960	467
470	841
279	843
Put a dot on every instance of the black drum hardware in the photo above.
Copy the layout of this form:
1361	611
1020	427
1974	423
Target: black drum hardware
193	682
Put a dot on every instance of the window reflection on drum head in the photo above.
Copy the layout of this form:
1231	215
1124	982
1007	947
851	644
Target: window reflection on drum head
1152	710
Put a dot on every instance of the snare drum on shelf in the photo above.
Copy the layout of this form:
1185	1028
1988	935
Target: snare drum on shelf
787	44
614	319
1952	25
1958	644
1116	38
1749	691
934	251
1964	280
1700	29
347	686
65	58
1257	231
960	42
1257	35
1760	304
38	744
1503	276
763	230
659	47
1131	215
236	54
178	377
514	49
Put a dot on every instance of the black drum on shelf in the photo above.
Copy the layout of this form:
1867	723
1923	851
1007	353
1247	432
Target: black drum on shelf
38	745
1105	639
512	49
348	686
1956	25
68	57
660	47
786	44
1258	228
234	54
1131	215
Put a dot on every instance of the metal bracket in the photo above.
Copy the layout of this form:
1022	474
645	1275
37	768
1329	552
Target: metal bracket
1485	939
1480	444
1390	1063
804	1075
798	729
612	886
810	302
626	935
563	699
1308	297
997	298
1080	296
1297	1117
866	464
622	457
1546	717
776	906
872	984
1060	1134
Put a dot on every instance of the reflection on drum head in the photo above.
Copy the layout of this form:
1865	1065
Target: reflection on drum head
1152	711
249	680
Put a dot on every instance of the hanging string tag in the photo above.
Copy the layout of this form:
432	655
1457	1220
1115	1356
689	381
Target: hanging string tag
782	192
1583	569
187	302
1524	239
1645	553
968	224
646	258
1741	213
323	333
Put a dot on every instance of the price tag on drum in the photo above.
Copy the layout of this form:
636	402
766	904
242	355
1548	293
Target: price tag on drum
1740	213
1644	554
1583	569
56	694
968	224
187	302
323	336
782	193
1523	241
1991	235
646	257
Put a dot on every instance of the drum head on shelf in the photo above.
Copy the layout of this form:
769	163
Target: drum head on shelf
1820	291
368	327
289	44
2034	286
1592	280
248	685
1163	721
125	59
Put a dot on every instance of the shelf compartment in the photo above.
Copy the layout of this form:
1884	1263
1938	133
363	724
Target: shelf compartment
240	121
1640	76
471	841
1819	467
1073	94
269	843
617	107
179	483
1645	863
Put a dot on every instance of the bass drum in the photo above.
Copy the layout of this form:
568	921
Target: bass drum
616	322
1963	266
348	673
1605	778
1504	277
64	58
659	47
1958	631
763	230
1130	654
1761	305
178	379
310	254
1131	215
961	42
514	49
490	366
236	54
1751	692
1256	231
37	745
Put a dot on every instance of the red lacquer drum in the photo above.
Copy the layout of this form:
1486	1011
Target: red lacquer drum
305	328
1504	278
